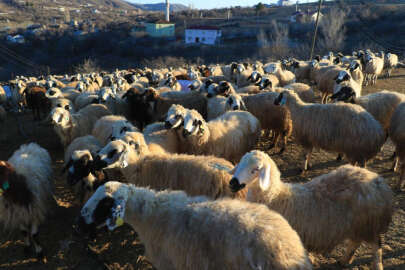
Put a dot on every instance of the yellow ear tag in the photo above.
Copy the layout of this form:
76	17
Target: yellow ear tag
119	222
1	192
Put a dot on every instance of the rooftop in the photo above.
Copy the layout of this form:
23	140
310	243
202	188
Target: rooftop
202	27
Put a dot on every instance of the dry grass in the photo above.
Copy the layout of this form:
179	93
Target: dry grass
121	249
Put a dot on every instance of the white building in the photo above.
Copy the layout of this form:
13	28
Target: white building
208	35
283	3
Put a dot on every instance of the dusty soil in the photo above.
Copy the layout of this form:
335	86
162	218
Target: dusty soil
122	249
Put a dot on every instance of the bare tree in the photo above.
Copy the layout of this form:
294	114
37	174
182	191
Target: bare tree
274	45
332	30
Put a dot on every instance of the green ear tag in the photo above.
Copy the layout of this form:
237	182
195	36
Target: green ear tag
6	185
1	192
119	222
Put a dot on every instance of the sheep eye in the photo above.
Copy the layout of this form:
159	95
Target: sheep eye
124	129
178	116
59	105
112	153
255	170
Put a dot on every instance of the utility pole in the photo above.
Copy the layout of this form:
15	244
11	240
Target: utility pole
316	29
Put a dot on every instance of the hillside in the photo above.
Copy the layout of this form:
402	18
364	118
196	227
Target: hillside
159	7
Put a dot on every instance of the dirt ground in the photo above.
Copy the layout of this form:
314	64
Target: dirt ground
122	249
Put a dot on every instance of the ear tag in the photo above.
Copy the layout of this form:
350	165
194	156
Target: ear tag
119	222
1	192
124	158
67	118
283	100
202	129
117	216
6	185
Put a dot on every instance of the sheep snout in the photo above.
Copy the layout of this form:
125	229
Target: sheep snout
235	186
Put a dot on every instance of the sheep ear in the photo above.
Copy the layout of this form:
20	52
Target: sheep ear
264	177
117	214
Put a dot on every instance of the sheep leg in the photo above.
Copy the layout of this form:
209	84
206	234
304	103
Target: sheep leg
284	143
34	239
348	257
395	165
339	157
27	243
401	176
377	253
307	164
277	136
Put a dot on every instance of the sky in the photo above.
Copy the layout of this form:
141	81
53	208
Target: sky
206	4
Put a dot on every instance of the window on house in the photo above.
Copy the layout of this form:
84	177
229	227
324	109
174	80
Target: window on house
203	39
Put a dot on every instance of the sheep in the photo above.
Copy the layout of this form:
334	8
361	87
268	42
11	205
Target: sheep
380	105
26	193
303	90
285	77
160	105
397	135
210	175
342	128
70	94
37	101
111	127
114	103
261	83
242	76
224	88
356	71
301	70
85	99
140	110
390	62
228	136
169	225
348	204
271	117
345	79
326	82
216	106
70	126
373	69
63	103
78	164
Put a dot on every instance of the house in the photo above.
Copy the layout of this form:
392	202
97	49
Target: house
160	29
208	35
283	3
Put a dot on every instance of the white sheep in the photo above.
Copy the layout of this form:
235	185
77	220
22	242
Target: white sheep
349	203
390	62
285	77
228	136
26	193
78	165
373	69
341	128
181	232
111	127
344	79
70	126
85	99
380	105
210	175
356	71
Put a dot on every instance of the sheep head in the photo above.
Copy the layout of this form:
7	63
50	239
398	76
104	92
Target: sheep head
80	165
342	76
106	207
255	77
119	129
137	141
194	124
175	116
13	186
53	92
114	155
60	117
235	102
345	94
253	165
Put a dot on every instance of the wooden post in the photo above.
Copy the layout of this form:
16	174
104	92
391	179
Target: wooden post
315	30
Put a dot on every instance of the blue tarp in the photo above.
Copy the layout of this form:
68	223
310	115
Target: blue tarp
8	90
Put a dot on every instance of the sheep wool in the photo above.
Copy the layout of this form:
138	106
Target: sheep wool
349	203
224	234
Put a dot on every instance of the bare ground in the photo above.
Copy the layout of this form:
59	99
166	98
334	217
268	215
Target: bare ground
122	249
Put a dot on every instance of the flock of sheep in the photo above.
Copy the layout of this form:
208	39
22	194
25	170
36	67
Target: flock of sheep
171	152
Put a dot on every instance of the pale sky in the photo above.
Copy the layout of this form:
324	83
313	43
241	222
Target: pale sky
204	4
